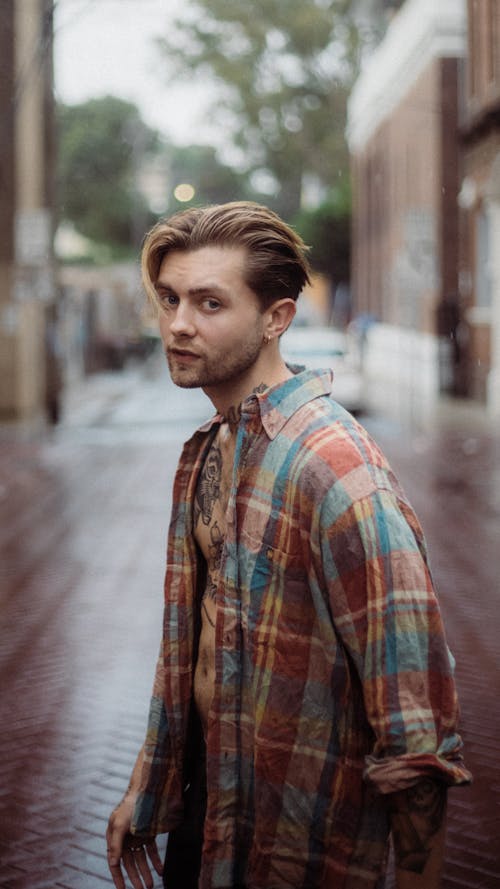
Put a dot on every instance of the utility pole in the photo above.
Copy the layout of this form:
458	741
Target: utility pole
27	278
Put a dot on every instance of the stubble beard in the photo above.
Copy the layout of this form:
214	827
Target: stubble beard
225	367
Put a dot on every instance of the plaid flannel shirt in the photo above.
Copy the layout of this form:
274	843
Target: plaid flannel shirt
334	684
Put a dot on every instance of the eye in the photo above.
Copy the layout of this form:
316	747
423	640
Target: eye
168	300
212	304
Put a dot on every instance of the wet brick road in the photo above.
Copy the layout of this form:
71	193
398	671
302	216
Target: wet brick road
82	535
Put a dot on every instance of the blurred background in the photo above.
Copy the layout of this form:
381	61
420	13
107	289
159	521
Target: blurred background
373	127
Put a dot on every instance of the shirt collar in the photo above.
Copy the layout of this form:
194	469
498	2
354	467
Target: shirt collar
277	404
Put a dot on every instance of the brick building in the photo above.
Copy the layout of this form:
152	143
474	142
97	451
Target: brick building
403	136
479	199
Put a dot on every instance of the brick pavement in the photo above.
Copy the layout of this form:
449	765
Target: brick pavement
83	523
82	542
451	471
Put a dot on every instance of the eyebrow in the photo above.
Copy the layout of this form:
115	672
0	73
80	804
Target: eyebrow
205	289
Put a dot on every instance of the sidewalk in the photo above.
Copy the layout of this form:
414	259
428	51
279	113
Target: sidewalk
82	540
451	472
82	546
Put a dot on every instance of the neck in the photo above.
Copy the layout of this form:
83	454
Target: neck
232	418
233	413
228	400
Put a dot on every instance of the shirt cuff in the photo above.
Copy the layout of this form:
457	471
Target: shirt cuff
391	774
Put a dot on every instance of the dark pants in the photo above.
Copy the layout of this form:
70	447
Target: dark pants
183	858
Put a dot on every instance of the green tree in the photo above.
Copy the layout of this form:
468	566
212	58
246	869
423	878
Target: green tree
101	145
283	72
327	229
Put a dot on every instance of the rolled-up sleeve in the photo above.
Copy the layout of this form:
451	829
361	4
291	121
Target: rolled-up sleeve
386	614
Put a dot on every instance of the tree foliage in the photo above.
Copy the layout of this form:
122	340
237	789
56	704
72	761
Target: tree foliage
213	181
327	229
101	144
104	151
283	72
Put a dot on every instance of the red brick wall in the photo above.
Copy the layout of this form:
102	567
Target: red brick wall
405	205
480	147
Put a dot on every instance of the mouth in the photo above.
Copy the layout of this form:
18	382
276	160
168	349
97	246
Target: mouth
182	354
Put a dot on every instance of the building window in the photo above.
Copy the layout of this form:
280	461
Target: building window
494	32
473	54
490	38
483	259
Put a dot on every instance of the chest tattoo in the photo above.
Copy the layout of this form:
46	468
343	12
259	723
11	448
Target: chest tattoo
209	511
214	558
208	490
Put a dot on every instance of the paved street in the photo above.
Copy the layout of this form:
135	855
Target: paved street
82	539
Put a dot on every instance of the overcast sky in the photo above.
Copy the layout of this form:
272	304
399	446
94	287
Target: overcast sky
107	47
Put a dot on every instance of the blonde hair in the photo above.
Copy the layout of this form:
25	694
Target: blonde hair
276	264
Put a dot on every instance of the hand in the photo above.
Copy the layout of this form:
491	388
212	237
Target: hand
124	848
418	832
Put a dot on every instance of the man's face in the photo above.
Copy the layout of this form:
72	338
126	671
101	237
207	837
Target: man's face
210	322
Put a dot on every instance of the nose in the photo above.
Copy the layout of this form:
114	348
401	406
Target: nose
182	323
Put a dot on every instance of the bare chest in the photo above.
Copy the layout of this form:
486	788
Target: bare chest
209	518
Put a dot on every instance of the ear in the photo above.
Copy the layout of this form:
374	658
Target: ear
278	317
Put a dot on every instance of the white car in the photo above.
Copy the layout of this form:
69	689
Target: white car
317	347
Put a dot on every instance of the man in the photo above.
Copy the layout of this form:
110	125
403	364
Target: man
303	703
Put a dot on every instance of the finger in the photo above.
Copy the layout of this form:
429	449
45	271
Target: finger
130	866
116	873
114	851
143	867
114	840
154	857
